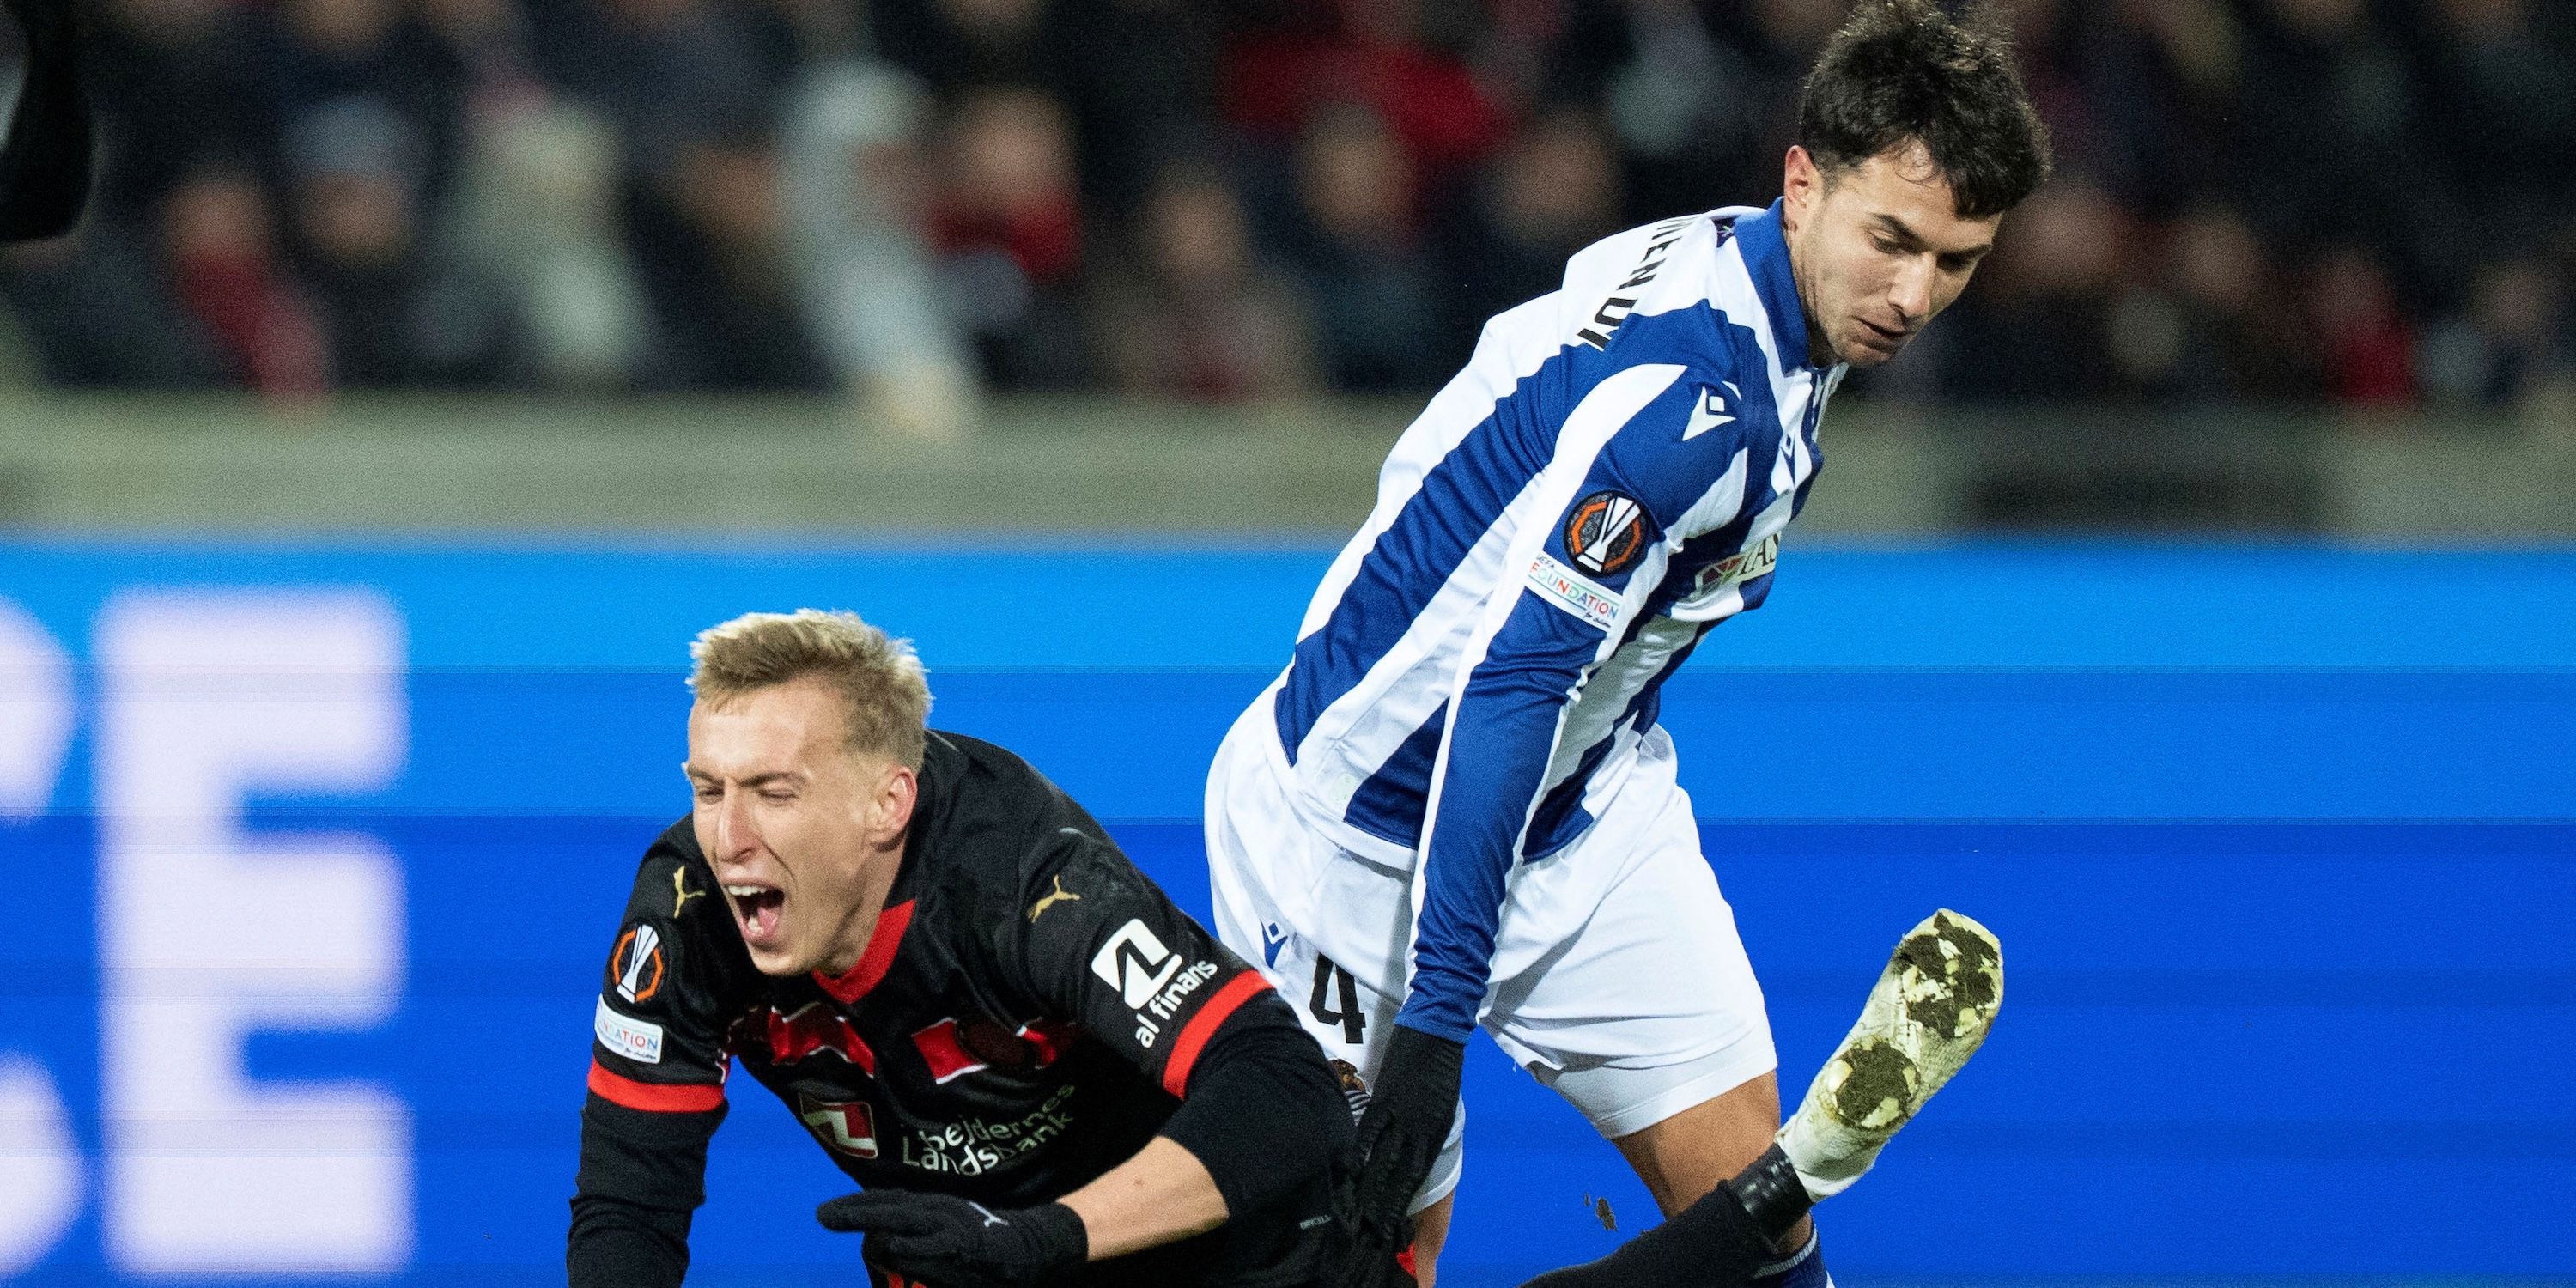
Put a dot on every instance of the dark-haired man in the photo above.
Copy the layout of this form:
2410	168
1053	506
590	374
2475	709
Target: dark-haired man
1455	807
1040	1070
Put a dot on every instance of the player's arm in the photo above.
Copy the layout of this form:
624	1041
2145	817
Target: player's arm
45	164
1261	1117
656	1083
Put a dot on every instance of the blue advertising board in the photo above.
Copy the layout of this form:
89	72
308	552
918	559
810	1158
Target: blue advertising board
317	852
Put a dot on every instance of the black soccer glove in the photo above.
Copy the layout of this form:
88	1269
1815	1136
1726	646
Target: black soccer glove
1399	1138
949	1242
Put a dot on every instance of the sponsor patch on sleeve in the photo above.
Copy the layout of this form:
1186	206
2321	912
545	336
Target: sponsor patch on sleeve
1745	566
1573	592
637	1040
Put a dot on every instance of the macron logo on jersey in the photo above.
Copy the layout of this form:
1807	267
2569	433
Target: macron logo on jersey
1135	963
1711	411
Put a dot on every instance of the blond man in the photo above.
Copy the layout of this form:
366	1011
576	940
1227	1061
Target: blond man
1038	1067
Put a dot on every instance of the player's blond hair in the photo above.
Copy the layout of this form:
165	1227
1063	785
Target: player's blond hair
884	689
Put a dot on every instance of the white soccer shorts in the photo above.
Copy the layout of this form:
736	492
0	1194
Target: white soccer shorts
1618	977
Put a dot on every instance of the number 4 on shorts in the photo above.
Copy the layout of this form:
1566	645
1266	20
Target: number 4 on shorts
1347	1012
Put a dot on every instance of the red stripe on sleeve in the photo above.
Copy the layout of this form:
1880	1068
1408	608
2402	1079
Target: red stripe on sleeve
655	1097
1202	1026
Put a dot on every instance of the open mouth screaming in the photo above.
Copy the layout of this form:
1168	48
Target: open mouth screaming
757	909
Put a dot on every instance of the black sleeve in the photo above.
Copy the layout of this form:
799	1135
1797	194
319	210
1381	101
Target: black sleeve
658	1064
640	1179
45	165
1099	944
1264	1113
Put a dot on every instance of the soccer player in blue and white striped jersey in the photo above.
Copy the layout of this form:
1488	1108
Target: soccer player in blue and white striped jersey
1455	807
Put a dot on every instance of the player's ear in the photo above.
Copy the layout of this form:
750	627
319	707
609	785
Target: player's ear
1801	183
890	802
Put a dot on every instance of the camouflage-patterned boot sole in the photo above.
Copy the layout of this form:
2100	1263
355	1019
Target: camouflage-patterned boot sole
1931	1008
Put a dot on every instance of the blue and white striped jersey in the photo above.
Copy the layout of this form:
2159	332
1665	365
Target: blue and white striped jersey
1605	481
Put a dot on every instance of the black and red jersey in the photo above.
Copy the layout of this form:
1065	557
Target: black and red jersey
1028	1014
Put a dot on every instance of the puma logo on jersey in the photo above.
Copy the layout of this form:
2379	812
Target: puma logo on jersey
1710	413
1045	902
680	891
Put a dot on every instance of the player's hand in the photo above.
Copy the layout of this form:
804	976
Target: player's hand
1399	1139
948	1242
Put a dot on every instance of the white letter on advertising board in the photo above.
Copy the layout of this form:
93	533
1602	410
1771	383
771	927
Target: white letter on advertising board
209	931
35	713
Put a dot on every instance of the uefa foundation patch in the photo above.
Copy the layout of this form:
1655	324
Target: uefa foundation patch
1574	592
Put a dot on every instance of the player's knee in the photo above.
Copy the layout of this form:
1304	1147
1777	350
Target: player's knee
1684	1157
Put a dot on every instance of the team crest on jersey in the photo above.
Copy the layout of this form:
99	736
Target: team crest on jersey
635	969
1606	533
845	1127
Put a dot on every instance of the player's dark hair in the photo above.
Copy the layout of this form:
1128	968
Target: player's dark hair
1904	71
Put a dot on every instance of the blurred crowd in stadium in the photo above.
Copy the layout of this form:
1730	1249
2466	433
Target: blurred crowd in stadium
2310	201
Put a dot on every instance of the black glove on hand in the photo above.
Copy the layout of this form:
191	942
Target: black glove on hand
1400	1135
951	1243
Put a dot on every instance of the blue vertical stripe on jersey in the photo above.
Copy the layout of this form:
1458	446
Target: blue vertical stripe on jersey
1560	816
1458	500
1389	805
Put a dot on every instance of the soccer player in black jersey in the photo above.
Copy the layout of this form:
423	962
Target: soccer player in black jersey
1038	1068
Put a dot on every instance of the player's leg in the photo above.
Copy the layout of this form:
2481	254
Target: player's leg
1646	1016
1430	1234
1687	1155
1930	1010
1728	1238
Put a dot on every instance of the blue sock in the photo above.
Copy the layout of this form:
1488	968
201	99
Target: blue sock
1804	1268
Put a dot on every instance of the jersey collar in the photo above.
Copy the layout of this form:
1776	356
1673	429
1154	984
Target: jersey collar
874	960
1766	260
